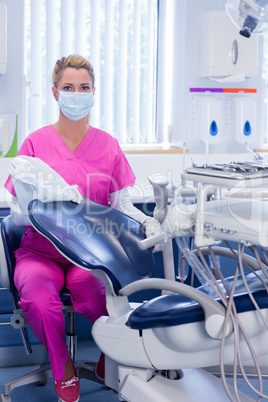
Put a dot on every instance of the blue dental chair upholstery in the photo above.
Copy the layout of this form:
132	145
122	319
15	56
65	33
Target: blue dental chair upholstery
174	309
11	237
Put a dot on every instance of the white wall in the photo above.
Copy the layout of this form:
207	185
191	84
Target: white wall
12	83
188	15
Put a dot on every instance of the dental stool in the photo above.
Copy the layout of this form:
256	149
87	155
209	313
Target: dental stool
11	237
156	351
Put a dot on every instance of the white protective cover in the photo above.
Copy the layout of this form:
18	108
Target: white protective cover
34	179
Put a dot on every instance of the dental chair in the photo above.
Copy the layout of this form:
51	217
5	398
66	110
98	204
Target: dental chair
11	237
155	351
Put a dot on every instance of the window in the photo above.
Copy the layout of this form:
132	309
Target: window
126	42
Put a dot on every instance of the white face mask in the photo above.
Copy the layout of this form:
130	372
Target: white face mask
75	105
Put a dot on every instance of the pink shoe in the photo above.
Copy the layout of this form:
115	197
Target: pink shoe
100	367
68	391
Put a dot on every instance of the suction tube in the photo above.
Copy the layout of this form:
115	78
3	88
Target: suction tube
198	268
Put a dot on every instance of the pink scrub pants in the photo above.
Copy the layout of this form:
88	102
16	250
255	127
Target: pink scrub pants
40	273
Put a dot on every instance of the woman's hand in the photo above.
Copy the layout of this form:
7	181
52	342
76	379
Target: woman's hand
153	227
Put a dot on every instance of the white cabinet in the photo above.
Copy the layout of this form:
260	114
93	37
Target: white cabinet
223	51
3	38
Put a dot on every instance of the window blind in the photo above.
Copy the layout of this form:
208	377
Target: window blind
125	40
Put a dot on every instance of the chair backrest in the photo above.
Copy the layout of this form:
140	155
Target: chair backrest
94	236
11	235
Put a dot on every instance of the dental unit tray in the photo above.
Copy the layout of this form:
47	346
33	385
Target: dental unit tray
230	174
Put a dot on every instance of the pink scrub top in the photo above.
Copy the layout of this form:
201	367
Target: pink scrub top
98	165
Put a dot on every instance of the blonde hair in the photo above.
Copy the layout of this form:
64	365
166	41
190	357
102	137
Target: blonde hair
73	61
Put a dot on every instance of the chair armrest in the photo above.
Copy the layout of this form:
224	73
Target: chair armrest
213	310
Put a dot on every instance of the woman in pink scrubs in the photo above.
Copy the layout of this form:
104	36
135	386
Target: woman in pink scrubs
92	160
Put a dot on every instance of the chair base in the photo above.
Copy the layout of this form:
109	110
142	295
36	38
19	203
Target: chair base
85	369
144	384
194	385
40	375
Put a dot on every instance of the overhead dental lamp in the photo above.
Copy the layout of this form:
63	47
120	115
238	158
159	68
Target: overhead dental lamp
250	16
